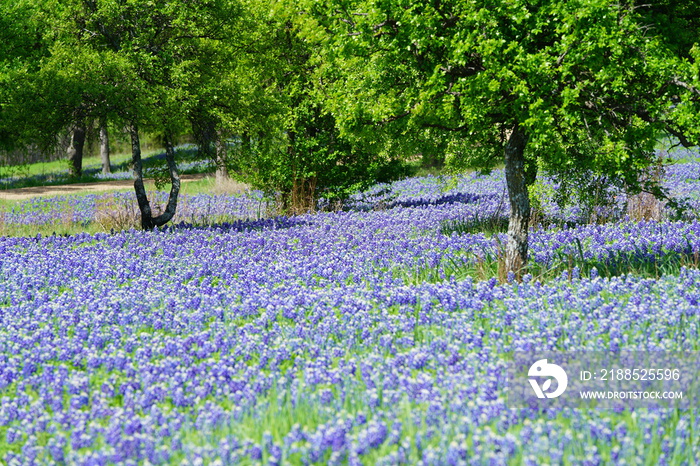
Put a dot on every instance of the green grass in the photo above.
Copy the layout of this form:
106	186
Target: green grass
491	264
487	225
46	168
55	173
275	413
278	411
66	227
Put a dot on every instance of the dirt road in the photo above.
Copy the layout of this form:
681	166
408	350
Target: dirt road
26	193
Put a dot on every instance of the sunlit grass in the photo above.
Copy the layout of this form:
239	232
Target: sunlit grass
56	172
65	226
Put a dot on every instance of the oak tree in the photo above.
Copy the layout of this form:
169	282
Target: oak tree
556	85
132	62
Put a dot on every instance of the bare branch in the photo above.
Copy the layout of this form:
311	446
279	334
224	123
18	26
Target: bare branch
464	71
388	22
685	85
394	118
685	142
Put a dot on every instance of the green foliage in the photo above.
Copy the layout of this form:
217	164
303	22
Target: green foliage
144	62
327	96
298	153
539	193
22	46
677	21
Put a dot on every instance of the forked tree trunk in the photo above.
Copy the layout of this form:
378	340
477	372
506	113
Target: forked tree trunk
516	247
104	148
75	150
148	222
221	158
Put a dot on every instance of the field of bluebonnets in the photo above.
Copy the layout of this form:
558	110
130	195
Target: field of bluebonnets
371	335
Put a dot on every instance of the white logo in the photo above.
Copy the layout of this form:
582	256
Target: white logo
542	369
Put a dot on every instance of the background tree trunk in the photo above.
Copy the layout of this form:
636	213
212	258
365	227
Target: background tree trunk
221	159
516	247
104	148
75	150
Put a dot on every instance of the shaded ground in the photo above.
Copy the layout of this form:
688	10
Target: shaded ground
26	193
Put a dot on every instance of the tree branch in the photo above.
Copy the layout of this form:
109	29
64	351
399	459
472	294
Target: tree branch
685	86
685	142
472	68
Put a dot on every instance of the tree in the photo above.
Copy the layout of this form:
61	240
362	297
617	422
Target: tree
54	82
550	84
295	151
130	62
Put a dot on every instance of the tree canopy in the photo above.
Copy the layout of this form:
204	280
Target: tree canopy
22	45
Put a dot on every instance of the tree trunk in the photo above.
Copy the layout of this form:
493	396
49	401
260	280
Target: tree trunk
144	205
148	222
516	248
171	207
220	159
75	150
291	203
433	160
104	148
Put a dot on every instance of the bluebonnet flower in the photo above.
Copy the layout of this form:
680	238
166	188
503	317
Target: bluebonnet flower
162	344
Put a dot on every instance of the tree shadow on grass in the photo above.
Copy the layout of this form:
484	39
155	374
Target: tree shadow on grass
275	223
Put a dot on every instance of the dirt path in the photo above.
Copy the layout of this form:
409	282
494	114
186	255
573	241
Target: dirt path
26	193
